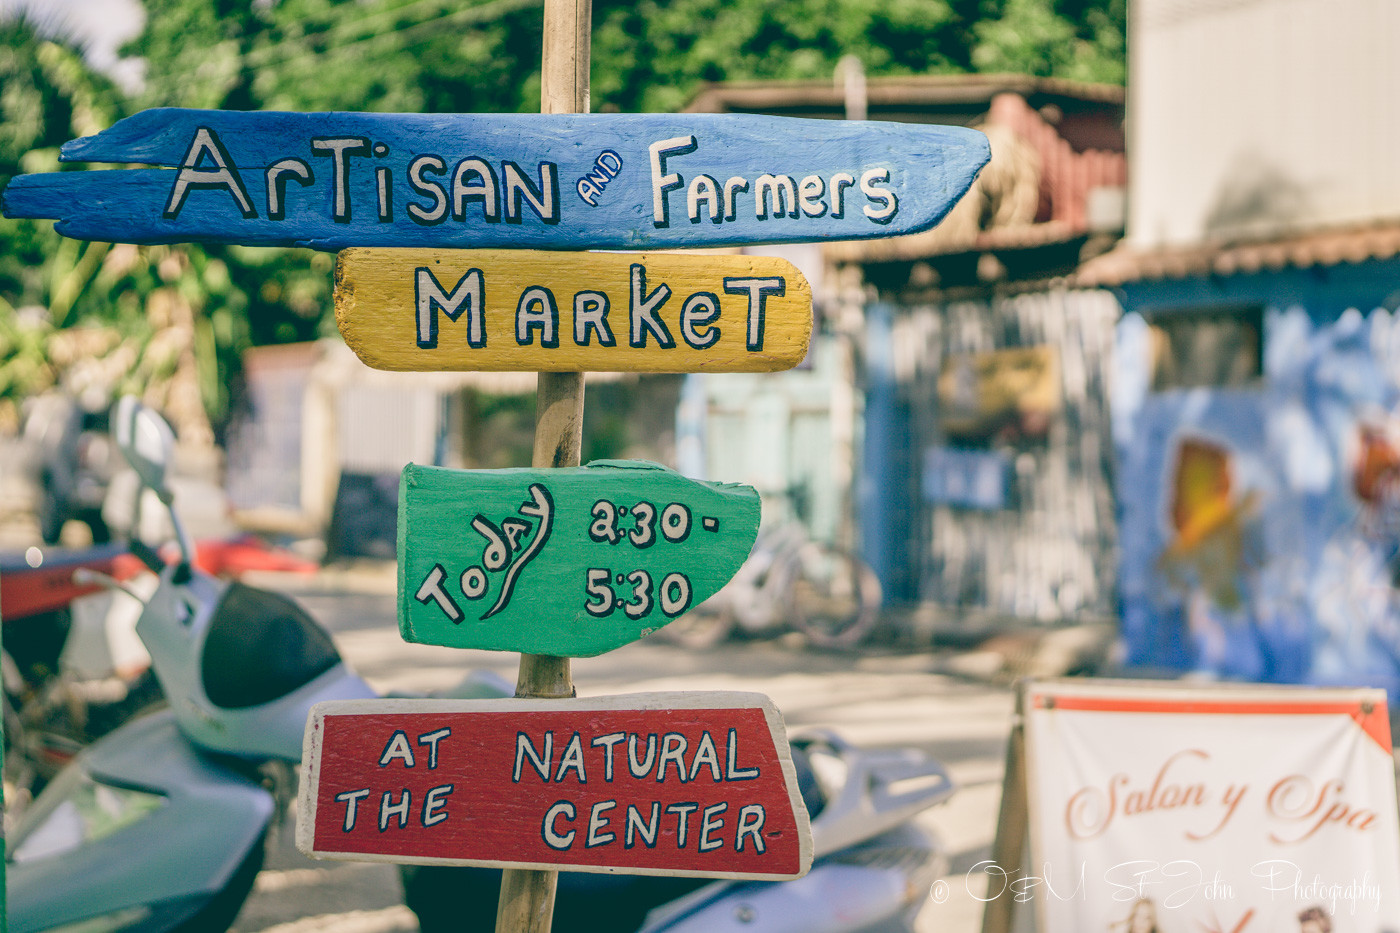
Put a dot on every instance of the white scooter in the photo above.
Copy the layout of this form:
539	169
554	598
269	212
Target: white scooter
160	825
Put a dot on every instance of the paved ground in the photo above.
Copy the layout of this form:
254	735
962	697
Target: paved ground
873	698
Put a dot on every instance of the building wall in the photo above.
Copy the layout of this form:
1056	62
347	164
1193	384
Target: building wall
1011	515
1252	118
1260	519
786	434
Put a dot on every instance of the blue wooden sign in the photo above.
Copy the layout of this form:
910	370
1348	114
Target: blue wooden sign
335	180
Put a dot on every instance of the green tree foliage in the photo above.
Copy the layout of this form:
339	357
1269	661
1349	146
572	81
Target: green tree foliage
47	96
1080	40
648	55
651	56
93	316
410	56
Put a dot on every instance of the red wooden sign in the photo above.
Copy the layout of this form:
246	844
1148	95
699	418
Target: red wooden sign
698	784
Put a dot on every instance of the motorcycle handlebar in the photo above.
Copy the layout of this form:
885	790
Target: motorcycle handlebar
152	559
147	555
86	576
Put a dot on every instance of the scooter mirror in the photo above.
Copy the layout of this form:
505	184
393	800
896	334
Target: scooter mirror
146	442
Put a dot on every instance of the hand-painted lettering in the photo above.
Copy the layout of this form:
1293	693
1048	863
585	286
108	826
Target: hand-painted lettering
541	506
621	559
382	177
542	198
839	183
639	768
710	822
397	748
889	203
431	591
418	213
431	739
606	742
703	191
223	175
758	290
389	808
776	192
572	759
751	818
483	193
351	799
534	780
605	169
334	181
705	754
469	295
733	772
673	746
698	316
682	812
591	317
552	837
663	181
647	830
339	149
775	195
809	194
537	310
541	762
277	174
434	803
598	824
642	311
675	751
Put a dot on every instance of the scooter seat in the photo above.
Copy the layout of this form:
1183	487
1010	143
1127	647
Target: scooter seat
261	646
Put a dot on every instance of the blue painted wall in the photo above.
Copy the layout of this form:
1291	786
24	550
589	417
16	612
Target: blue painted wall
1288	570
879	483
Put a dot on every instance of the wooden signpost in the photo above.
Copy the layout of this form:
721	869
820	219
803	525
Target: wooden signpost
406	309
698	784
611	181
569	562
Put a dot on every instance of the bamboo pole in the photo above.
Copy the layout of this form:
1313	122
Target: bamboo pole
1013	821
527	895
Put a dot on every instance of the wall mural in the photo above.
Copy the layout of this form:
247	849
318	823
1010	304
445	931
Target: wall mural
1260	527
999	395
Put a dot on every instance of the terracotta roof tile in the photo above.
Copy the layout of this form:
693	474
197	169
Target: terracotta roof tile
1327	247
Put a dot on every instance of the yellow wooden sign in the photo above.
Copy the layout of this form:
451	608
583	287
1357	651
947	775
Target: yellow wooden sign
435	309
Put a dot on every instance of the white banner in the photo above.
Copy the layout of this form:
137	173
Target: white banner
1164	808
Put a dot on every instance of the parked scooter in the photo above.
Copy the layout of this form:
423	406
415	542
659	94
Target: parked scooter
160	825
73	666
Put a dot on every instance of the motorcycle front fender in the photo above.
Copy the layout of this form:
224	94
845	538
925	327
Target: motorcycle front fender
877	887
79	857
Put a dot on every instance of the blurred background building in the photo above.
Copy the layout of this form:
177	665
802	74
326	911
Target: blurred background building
952	420
1255	389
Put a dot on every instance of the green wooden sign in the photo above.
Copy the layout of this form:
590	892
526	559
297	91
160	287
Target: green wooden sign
570	562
